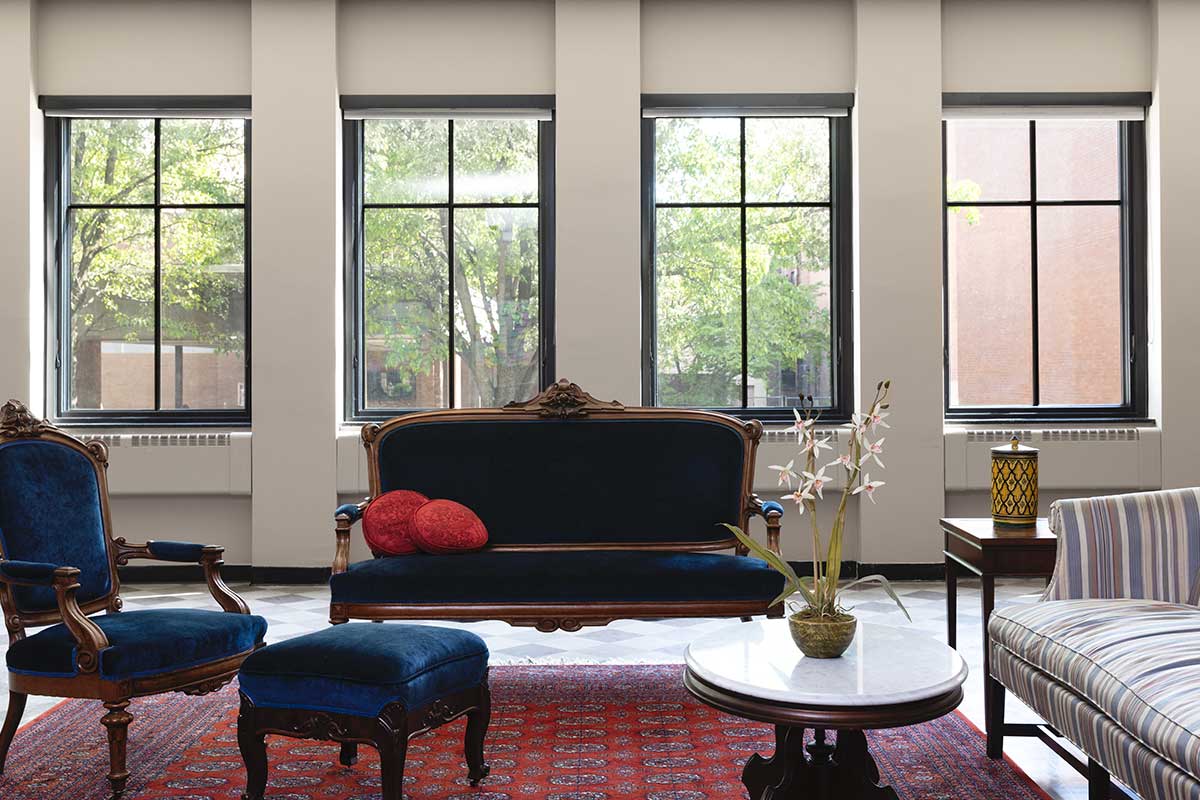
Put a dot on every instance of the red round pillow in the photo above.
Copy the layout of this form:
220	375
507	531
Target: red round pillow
388	522
444	526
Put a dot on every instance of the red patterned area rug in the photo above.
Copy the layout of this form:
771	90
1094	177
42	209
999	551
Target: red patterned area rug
558	732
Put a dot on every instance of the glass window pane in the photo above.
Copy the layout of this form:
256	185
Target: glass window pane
203	309
495	306
406	161
1079	305
495	161
1078	160
112	161
111	313
990	307
203	160
787	284
406	328
787	160
987	160
698	290
696	160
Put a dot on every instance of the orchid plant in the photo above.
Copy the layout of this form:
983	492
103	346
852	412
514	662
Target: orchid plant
821	592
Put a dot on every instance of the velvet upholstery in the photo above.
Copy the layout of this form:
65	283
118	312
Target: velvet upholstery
577	481
37	572
143	643
771	505
351	510
360	668
562	576
50	512
184	552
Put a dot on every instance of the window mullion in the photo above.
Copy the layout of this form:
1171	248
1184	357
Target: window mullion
450	387
742	198
1033	263
158	265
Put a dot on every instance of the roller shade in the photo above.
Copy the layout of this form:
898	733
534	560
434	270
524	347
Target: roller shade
746	105
147	107
540	114
1111	113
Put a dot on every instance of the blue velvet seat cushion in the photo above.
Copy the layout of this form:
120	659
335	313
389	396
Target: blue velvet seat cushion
143	643
564	576
360	668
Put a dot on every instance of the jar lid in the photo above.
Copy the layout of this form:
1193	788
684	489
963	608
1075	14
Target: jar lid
1015	449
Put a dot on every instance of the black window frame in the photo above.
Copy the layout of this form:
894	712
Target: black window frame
353	206
1134	294
58	112
841	240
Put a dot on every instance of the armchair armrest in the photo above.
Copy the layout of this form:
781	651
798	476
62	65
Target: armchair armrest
772	512
27	573
209	556
344	518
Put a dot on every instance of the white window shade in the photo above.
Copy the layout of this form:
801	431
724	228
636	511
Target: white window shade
1114	113
540	114
746	111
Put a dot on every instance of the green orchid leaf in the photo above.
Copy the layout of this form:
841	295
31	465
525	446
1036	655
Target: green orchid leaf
887	587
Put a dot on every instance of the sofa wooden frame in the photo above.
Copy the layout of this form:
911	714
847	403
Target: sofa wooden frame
565	400
16	423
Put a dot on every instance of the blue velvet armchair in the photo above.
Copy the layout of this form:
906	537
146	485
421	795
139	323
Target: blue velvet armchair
58	568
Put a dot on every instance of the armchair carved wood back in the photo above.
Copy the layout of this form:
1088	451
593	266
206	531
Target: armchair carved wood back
567	471
54	509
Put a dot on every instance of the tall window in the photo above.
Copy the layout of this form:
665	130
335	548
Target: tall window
148	224
747	261
1045	266
447	244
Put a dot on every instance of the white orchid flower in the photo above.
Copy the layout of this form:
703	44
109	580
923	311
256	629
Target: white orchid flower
868	487
872	450
858	424
876	420
800	495
846	460
801	424
786	472
816	482
821	444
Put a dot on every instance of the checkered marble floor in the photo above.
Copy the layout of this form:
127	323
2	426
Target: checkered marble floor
294	610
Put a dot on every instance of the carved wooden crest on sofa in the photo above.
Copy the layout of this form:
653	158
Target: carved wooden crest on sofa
596	511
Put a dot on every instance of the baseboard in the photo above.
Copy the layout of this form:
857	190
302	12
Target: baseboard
244	573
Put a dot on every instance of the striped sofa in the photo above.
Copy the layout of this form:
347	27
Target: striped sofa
1111	656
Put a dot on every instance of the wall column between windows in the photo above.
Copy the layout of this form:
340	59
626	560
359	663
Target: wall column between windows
898	268
1173	129
22	313
295	248
597	200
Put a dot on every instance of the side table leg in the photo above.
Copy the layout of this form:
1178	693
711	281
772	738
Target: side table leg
857	773
988	602
775	777
951	603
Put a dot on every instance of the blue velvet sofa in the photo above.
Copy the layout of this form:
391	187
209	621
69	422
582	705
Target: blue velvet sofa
595	512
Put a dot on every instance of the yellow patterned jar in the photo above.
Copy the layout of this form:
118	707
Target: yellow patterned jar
1015	484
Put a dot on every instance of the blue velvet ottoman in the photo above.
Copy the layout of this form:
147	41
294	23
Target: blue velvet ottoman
365	684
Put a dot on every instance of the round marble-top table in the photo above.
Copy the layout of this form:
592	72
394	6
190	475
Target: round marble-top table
890	677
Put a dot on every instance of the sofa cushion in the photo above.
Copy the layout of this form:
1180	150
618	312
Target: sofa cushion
582	481
359	668
143	643
488	576
1138	661
444	526
388	522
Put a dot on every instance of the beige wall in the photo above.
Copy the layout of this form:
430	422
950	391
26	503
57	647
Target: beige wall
296	56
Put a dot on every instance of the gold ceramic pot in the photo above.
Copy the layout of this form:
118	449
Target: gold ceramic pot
1015	485
822	637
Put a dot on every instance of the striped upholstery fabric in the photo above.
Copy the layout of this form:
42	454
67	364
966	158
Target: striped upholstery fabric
1142	546
1136	661
1131	762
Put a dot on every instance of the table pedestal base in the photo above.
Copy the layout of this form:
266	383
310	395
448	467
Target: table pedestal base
843	770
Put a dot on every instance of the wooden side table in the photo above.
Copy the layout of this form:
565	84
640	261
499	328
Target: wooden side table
976	546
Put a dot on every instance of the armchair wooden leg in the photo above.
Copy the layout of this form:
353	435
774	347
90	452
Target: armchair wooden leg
253	746
349	754
16	708
477	725
117	722
994	721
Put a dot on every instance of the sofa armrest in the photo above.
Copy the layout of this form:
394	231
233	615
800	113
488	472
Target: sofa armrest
772	512
344	518
210	557
89	638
